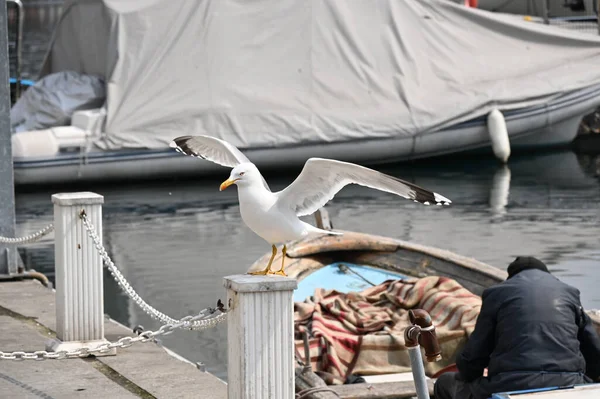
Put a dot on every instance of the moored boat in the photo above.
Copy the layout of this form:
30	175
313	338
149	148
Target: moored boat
334	271
355	83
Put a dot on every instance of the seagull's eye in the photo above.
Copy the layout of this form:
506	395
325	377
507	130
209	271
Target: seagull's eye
242	173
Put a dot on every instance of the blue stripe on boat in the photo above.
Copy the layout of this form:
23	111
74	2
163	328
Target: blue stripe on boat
567	392
24	82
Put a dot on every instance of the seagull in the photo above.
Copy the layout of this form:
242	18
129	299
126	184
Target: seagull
274	216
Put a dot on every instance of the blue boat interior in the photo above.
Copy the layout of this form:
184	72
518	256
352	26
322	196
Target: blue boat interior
571	390
343	277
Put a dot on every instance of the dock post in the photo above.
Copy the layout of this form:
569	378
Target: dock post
260	336
8	254
79	284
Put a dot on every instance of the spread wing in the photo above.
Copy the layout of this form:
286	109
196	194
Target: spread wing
209	148
321	179
212	149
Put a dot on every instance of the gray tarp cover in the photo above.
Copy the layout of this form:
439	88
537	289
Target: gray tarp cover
53	99
278	72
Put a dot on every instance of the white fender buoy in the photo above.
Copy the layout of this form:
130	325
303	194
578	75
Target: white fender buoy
498	135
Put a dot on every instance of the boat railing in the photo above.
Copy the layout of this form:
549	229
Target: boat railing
577	15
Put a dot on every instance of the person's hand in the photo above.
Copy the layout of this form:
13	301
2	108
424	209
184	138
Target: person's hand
485	372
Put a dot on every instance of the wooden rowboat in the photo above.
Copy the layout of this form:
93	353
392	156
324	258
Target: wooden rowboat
355	261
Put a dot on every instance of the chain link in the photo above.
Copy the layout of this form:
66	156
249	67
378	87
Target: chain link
30	238
187	322
202	321
124	342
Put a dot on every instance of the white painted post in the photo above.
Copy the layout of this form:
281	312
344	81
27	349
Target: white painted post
79	284
260	337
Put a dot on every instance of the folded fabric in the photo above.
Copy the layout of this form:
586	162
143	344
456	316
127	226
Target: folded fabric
363	332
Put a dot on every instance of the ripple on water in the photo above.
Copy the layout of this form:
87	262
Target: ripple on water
175	241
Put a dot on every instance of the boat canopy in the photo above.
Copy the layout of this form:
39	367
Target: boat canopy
268	73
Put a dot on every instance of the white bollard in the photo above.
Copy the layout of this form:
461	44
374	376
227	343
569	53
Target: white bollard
260	337
79	283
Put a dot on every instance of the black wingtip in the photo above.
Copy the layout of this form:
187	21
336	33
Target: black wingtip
179	141
180	144
424	196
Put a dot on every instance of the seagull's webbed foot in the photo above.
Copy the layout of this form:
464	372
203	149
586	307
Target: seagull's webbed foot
281	272
267	270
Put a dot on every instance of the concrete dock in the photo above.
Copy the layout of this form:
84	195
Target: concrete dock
144	370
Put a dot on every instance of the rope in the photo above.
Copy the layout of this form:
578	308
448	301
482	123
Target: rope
305	392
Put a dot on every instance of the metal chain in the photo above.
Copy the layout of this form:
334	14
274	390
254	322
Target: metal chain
30	238
188	322
124	342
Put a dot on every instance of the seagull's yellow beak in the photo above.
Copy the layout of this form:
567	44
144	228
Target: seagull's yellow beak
227	183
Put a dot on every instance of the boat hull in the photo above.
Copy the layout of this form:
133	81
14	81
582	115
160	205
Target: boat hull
550	125
389	255
323	262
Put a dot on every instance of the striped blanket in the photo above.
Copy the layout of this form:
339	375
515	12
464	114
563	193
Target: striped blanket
362	332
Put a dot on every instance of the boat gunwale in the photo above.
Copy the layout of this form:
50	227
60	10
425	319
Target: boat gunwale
364	242
98	157
324	248
333	247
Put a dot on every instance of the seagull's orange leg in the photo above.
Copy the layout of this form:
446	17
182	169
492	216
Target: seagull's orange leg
280	271
268	269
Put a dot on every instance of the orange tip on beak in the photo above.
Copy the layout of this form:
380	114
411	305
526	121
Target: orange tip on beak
226	184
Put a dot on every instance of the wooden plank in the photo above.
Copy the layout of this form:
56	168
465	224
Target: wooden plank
349	241
422	265
384	390
322	219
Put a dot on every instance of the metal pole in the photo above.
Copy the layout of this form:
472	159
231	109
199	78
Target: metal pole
8	256
418	371
546	10
422	331
19	45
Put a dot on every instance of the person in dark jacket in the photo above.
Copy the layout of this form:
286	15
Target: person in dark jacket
532	332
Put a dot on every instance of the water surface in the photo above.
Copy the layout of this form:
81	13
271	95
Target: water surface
175	240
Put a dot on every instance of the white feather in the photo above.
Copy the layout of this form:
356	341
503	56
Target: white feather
275	216
321	179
